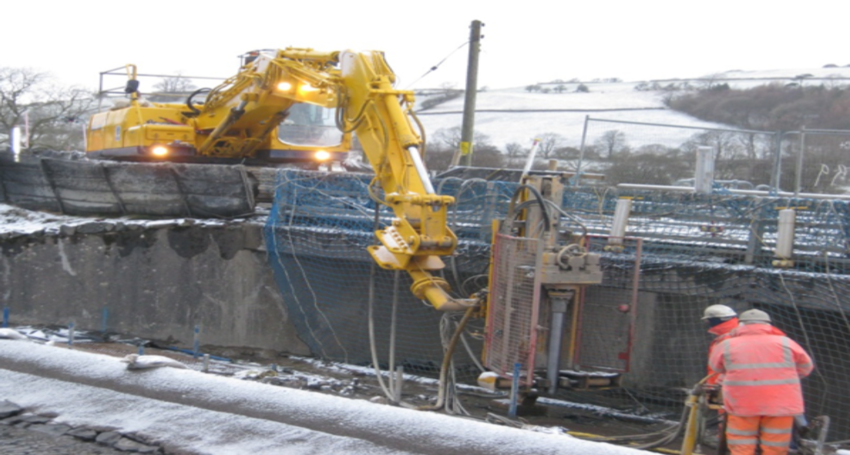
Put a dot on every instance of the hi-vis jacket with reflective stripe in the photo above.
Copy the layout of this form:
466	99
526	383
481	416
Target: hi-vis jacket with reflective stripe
762	372
721	331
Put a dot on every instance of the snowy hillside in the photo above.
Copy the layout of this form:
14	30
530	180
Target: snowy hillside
815	75
517	115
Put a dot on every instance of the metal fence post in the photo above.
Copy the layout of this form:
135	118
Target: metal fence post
775	177
71	333
104	320
577	177
798	177
704	173
514	397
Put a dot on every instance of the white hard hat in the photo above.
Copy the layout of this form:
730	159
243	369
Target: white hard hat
719	311
754	317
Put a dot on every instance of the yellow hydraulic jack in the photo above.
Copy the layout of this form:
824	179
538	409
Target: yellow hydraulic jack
703	397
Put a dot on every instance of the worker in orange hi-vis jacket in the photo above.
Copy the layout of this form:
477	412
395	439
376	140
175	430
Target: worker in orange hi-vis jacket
761	385
721	320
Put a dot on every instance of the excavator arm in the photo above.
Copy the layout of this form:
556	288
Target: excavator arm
360	86
419	234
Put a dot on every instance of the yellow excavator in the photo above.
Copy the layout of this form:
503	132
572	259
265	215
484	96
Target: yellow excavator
302	105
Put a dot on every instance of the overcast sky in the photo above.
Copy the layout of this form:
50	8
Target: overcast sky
524	41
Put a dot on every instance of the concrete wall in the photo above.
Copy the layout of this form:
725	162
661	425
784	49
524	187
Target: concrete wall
156	282
159	279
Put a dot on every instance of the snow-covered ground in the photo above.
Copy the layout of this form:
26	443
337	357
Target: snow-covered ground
201	413
744	78
517	115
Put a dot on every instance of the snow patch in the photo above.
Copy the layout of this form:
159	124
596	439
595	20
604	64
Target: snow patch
66	264
190	412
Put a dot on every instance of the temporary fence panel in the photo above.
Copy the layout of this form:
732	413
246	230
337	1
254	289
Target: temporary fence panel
658	153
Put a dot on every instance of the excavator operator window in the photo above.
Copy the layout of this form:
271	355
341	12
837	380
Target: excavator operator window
310	125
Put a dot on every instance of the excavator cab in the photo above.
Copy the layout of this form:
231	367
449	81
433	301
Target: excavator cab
308	125
249	57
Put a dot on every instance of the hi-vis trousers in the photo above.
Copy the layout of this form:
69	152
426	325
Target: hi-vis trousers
773	434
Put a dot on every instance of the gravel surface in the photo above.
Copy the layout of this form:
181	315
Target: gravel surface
25	441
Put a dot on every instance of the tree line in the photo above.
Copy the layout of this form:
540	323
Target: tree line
52	116
771	107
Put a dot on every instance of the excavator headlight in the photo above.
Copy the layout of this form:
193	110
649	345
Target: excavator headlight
159	150
322	155
306	88
284	86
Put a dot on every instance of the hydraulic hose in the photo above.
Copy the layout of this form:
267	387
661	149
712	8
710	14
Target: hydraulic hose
190	104
372	276
675	432
512	209
447	358
669	434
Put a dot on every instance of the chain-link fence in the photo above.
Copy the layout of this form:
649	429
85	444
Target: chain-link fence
663	154
696	250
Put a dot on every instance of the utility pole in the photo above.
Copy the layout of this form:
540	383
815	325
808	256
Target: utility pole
469	101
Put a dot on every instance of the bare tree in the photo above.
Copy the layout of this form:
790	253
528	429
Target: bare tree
729	150
549	144
175	84
649	168
450	138
447	140
171	89
52	117
567	153
754	146
610	143
515	152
